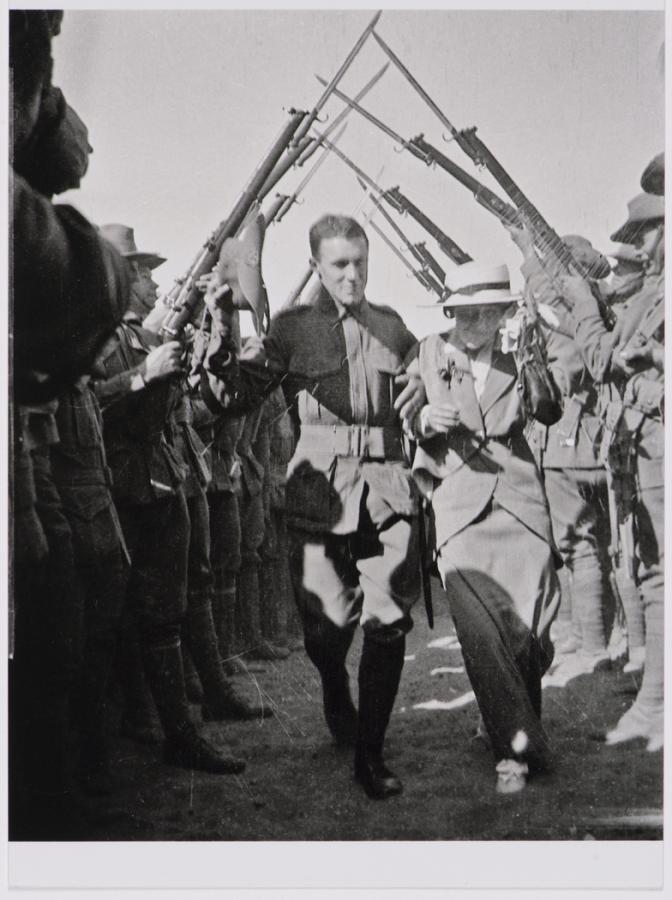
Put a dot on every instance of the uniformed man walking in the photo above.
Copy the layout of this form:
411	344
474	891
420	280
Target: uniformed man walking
351	502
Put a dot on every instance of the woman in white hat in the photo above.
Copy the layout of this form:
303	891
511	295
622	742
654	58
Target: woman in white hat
494	546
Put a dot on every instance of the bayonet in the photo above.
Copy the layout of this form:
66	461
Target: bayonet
545	237
315	111
429	154
292	198
403	205
418	87
307	146
418	251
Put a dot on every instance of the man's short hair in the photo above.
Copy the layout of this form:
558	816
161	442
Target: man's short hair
334	226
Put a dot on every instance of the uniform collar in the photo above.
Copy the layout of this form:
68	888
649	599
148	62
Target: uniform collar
326	304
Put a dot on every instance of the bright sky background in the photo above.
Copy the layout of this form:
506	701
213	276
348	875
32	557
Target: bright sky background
182	105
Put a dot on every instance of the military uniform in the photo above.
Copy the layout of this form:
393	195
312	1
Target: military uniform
637	419
219	435
351	501
148	477
575	479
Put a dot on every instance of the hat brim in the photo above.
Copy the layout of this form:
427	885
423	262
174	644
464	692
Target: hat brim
151	260
455	301
628	232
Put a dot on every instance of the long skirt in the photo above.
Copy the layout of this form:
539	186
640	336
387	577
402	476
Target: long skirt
503	592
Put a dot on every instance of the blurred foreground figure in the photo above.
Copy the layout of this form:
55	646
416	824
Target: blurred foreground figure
69	291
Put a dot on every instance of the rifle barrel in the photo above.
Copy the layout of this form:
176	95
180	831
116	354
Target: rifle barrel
424	278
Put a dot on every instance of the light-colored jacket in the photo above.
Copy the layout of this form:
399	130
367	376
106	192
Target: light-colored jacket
487	457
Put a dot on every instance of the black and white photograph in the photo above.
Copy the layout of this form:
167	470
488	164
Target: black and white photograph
335	441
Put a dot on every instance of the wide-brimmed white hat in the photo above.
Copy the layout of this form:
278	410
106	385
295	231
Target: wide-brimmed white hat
475	284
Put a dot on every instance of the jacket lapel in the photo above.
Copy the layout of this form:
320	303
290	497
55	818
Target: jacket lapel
500	378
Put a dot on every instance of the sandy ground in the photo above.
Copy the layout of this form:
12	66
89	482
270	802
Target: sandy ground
299	786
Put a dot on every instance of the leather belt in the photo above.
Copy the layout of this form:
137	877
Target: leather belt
360	441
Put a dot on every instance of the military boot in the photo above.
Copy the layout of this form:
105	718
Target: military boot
379	674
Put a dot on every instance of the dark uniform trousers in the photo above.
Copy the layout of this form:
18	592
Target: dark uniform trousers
219	436
643	401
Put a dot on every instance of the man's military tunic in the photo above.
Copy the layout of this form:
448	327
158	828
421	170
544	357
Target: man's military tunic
147	480
574	478
351	500
638	419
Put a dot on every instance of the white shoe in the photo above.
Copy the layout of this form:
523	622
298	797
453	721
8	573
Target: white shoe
635	724
511	776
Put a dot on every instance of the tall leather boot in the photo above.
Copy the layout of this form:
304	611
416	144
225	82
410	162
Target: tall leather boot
224	616
220	698
249	617
273	606
183	746
327	647
139	719
192	682
379	673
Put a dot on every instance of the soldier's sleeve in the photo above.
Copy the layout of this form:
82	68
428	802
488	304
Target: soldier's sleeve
229	385
69	291
110	385
595	341
538	280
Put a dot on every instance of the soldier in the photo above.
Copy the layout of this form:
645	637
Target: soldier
351	502
574	478
220	698
489	507
630	360
137	394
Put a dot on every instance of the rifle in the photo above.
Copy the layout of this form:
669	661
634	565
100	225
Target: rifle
289	201
403	205
188	297
428	154
429	261
545	238
305	128
425	279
